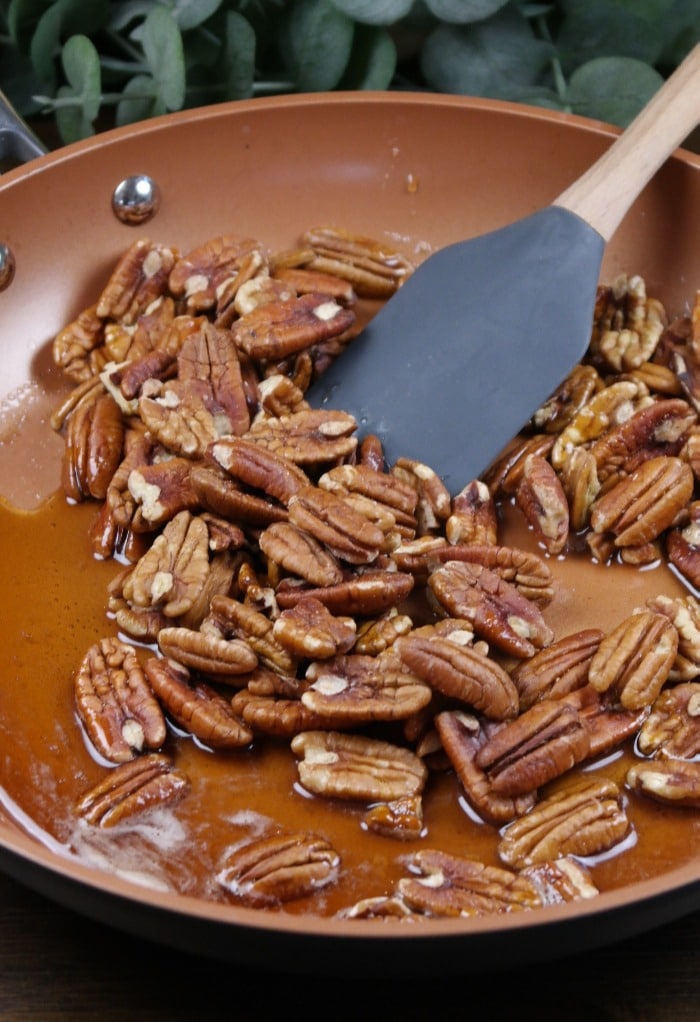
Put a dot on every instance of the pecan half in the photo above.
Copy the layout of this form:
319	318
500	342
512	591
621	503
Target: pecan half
500	614
357	768
271	705
309	631
261	469
583	819
672	728
197	708
333	521
357	689
224	659
230	617
115	703
307	437
641	506
279	868
364	595
541	498
539	745
300	554
133	789
460	672
448	885
462	735
375	270
277	329
172	573
401	819
473	518
635	659
557	670
674	782
140	276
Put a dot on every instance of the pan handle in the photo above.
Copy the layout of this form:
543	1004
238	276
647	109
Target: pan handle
18	143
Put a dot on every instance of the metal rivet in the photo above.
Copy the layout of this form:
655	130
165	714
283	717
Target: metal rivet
135	199
7	266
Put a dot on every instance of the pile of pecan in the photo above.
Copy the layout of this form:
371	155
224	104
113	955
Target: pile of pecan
279	579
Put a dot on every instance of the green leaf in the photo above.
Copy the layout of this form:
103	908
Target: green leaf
372	61
139	100
603	28
190	13
319	41
22	16
163	49
612	89
81	64
462	12
499	57
239	56
374	12
63	19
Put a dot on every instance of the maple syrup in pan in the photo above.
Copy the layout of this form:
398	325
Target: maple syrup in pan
53	608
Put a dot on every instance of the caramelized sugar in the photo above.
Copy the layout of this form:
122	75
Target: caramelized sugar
53	608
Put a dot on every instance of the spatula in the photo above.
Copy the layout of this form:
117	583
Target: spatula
484	330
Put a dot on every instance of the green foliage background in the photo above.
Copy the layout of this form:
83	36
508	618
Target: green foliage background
80	65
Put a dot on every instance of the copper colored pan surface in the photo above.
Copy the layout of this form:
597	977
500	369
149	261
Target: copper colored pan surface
419	171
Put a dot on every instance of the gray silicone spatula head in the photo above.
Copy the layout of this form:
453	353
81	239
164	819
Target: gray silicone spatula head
465	352
457	361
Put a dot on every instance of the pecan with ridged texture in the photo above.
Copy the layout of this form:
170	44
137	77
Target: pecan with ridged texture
684	613
94	442
434	502
278	868
581	819
364	595
674	782
271	704
634	660
280	395
208	361
462	736
448	885
539	745
356	689
277	329
179	419
133	789
460	672
375	270
567	400
384	488
171	574
334	522
224	659
541	498
140	276
561	880
310	632
229	617
401	819
263	470
603	411
154	365
115	703
644	504
660	428
307	437
195	706
527	571
499	613
473	518
218	493
160	491
357	768
209	276
628	324
683	552
607	726
503	474
379	633
672	729
300	554
305	281
74	345
579	479
558	669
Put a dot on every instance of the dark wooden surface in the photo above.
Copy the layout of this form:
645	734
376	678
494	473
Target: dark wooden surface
57	966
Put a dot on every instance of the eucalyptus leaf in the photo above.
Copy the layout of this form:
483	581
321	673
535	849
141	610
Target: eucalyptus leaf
372	61
498	57
319	37
374	12
163	50
80	99
124	14
22	16
138	100
463	12
604	28
61	20
239	56
190	13
612	89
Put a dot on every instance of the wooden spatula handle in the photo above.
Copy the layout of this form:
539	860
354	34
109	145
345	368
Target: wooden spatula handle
606	191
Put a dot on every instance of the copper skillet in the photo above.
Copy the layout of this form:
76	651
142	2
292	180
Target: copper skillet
423	171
